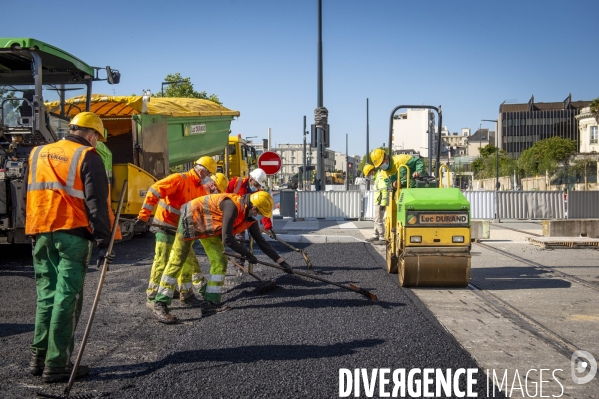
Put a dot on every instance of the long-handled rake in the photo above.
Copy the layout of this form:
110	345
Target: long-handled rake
302	251
263	288
67	390
351	287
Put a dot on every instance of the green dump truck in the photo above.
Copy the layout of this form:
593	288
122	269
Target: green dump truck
148	135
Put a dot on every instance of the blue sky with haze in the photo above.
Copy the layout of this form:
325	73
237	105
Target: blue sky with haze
259	56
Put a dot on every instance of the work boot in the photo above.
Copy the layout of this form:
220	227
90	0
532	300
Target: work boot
209	308
57	374
379	242
160	311
36	364
192	302
372	239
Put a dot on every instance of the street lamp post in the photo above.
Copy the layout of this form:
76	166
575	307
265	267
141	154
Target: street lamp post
497	185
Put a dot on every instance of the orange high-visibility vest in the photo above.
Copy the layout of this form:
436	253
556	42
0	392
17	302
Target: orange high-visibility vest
55	197
168	195
206	217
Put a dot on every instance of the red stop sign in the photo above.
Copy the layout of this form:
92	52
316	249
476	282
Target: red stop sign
269	162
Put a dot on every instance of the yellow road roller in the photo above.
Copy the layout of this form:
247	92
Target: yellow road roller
427	229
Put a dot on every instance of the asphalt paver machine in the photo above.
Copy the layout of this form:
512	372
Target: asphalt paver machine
427	226
32	72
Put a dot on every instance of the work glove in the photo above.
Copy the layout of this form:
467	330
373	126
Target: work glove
251	258
102	254
382	208
139	223
271	234
286	267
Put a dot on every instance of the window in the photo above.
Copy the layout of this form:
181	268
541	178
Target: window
593	130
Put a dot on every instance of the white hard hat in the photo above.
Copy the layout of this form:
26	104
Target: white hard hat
258	175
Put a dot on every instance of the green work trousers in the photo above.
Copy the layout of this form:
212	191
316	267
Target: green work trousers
60	263
218	266
189	276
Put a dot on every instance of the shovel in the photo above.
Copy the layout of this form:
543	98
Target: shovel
67	390
302	251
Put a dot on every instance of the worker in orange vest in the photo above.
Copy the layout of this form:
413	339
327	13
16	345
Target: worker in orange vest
215	219
166	196
67	212
254	182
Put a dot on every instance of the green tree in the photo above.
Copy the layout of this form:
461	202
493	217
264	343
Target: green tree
546	155
595	108
485	167
182	87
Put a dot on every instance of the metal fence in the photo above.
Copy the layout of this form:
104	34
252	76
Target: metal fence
583	204
482	204
329	204
512	204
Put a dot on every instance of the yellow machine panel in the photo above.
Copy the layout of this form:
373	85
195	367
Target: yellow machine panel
437	236
139	181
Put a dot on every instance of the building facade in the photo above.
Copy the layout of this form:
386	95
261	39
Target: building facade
521	125
341	161
292	158
588	129
410	131
480	139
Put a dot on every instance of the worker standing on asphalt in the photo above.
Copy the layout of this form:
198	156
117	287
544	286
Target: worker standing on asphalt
380	204
215	219
67	211
167	196
251	184
390	165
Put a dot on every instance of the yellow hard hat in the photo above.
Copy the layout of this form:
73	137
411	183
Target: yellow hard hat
367	169
221	181
263	201
208	162
377	156
89	120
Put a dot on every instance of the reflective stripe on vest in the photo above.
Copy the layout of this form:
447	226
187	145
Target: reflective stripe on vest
155	192
55	189
238	185
56	185
169	208
208	215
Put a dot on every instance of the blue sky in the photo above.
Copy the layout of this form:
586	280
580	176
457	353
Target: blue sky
260	56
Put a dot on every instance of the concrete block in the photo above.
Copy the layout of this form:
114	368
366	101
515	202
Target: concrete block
339	239
314	239
571	228
480	229
287	237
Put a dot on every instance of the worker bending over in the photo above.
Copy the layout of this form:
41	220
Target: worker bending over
167	196
215	219
251	184
390	165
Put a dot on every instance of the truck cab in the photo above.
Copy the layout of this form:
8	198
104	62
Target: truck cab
237	159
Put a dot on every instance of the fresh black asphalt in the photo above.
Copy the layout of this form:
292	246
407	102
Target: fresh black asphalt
289	343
